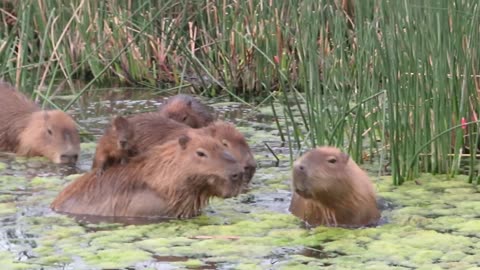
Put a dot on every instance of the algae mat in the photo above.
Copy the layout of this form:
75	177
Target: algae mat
432	223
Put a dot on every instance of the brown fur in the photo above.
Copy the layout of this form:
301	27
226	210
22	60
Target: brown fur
187	110
235	142
175	179
152	129
29	131
116	147
330	189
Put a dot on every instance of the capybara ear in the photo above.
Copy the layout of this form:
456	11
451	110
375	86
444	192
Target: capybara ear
344	157
189	103
183	141
120	123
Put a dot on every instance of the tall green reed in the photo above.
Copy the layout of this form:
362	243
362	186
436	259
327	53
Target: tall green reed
379	78
417	62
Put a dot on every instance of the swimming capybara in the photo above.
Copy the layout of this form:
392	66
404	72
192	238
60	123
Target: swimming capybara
152	129
116	147
29	131
330	189
175	179
187	110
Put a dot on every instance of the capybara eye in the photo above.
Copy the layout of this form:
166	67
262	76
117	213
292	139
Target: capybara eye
185	118
332	160
201	153
225	143
49	131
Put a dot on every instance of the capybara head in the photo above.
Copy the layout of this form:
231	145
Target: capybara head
235	142
321	171
187	110
331	189
123	132
206	159
52	134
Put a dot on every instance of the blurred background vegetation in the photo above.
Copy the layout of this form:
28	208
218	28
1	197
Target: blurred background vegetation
394	80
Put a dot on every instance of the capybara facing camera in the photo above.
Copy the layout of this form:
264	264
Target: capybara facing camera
330	189
116	146
174	179
29	131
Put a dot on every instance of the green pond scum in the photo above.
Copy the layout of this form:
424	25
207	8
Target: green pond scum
430	223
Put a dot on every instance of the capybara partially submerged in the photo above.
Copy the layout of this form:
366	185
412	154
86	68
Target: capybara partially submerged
187	110
330	189
235	142
29	131
152	129
116	147
174	179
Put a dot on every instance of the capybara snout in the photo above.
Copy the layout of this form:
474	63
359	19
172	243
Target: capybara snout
300	183
68	158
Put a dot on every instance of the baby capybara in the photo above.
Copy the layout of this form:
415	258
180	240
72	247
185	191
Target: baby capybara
152	129
187	110
330	189
116	147
175	179
28	130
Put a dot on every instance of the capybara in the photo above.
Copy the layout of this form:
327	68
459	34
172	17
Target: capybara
152	128
116	147
29	131
235	142
174	179
187	110
330	189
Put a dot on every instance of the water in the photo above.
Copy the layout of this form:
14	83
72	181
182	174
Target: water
429	224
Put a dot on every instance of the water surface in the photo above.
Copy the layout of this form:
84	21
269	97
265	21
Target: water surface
431	223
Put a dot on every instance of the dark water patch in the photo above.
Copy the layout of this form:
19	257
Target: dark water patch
204	266
93	219
318	252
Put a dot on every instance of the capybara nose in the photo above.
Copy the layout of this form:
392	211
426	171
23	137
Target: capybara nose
299	168
234	177
123	143
249	171
68	158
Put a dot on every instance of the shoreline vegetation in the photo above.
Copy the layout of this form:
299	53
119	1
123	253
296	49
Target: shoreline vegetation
395	80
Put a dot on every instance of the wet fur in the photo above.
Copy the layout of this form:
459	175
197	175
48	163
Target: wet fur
153	129
187	110
341	195
23	128
110	150
162	182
